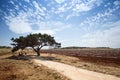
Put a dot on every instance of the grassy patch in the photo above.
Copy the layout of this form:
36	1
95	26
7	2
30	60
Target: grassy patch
13	69
4	51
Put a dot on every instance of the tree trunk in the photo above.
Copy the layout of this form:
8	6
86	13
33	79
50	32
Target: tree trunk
38	53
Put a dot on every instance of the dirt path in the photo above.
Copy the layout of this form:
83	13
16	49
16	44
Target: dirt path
74	73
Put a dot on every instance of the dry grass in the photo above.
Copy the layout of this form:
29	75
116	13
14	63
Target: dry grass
111	69
4	51
18	68
26	70
12	69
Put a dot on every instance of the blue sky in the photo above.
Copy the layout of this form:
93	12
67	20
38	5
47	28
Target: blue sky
85	23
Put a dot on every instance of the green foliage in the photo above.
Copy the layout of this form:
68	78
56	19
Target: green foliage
35	41
18	43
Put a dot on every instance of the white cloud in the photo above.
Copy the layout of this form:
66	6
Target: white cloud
59	1
103	38
27	1
61	9
19	26
51	32
37	6
23	23
99	18
116	3
12	2
81	7
50	19
72	7
78	6
53	26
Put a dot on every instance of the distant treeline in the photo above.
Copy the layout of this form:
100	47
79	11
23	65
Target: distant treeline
5	47
85	47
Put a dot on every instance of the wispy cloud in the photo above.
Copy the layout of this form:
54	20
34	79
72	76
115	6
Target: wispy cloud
27	1
108	37
51	27
59	1
19	25
116	2
100	18
73	7
24	21
89	22
82	6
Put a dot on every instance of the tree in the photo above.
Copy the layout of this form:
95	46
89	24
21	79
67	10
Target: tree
57	45
35	41
18	43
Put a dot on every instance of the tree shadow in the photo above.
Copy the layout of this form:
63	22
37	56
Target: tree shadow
29	57
14	57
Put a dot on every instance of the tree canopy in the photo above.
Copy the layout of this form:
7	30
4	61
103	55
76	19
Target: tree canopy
35	41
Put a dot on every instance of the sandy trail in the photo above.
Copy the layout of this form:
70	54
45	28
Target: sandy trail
74	73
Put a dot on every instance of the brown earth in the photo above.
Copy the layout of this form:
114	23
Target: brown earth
72	72
89	63
18	68
104	61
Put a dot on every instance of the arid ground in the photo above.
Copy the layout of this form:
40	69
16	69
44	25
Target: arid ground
22	68
19	68
99	60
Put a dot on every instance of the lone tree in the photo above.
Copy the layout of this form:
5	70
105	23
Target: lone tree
35	41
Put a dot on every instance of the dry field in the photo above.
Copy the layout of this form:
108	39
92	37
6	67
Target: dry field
22	68
104	61
4	51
